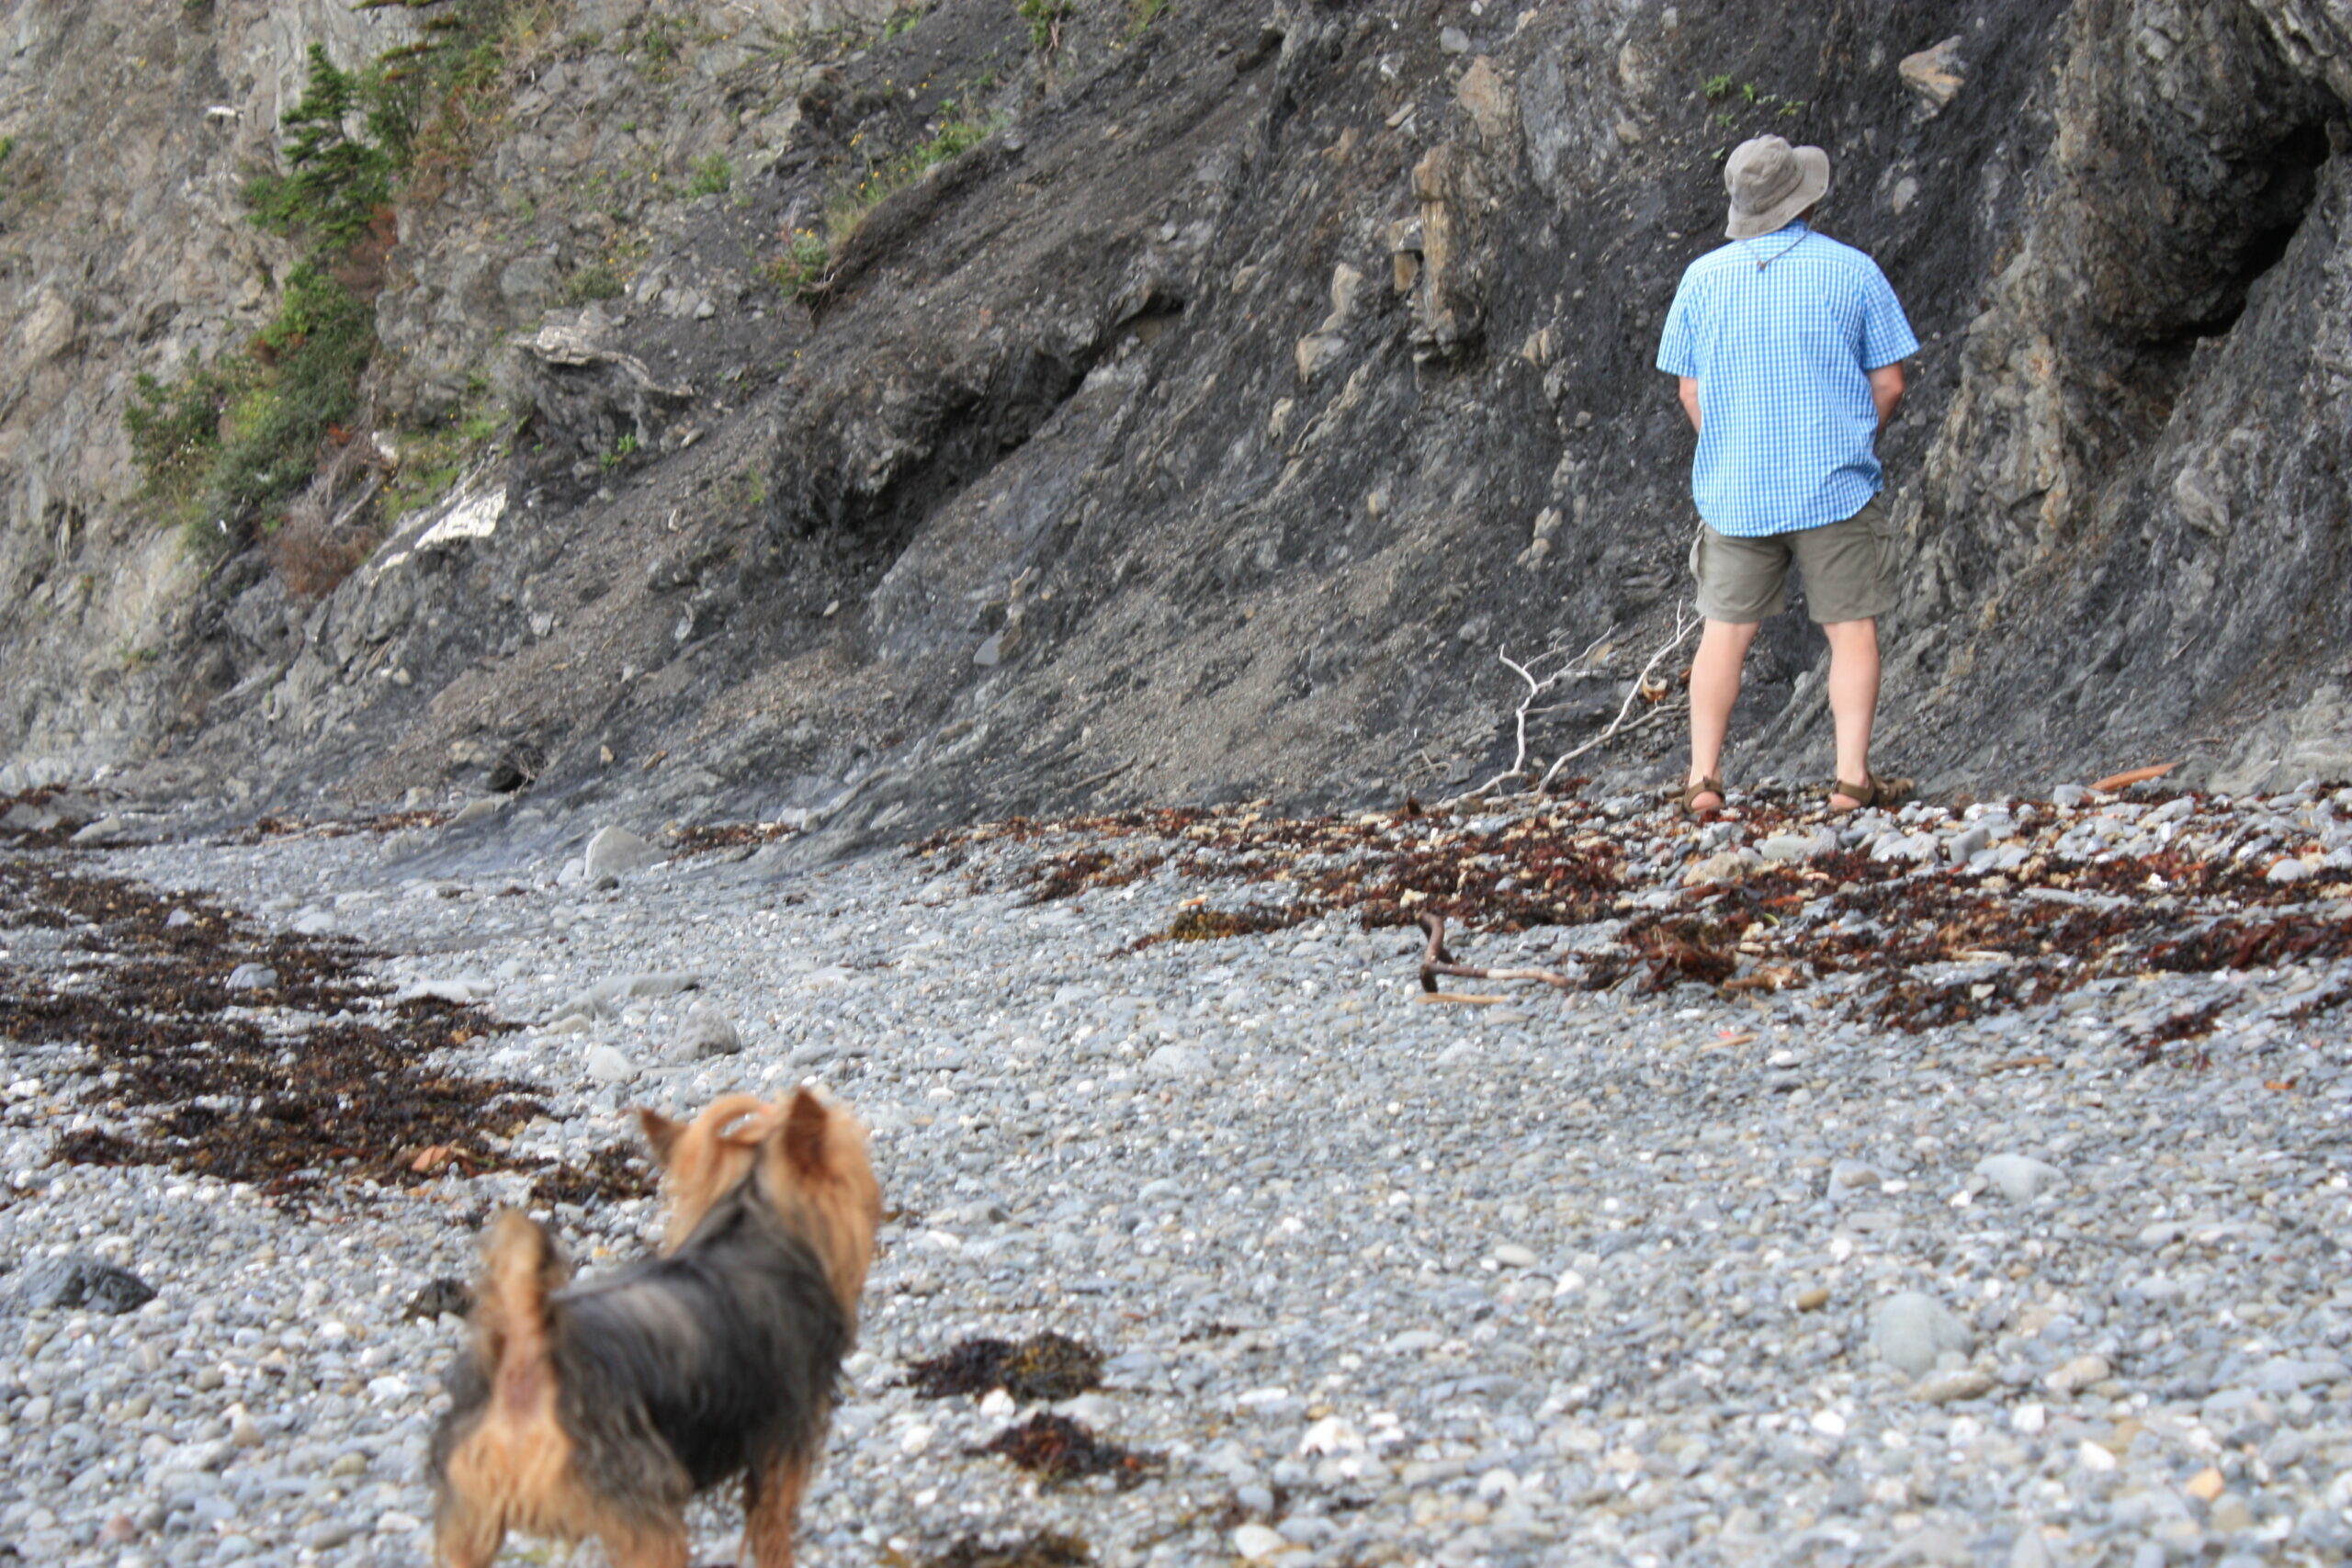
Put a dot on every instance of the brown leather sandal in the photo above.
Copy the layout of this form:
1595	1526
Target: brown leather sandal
1872	791
1686	799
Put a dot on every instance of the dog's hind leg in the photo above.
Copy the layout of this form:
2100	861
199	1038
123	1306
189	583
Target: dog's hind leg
464	1539
656	1548
771	1505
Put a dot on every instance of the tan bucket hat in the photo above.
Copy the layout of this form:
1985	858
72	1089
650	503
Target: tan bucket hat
1772	182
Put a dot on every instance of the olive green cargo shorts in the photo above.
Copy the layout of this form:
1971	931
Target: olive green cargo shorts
1848	570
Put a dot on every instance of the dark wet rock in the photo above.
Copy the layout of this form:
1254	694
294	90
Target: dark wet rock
80	1281
437	1297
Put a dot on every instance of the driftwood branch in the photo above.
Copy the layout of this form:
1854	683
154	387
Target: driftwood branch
1437	961
1536	686
1625	723
1684	625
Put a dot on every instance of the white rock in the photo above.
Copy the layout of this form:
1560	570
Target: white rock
1729	865
2079	1374
1255	1542
616	851
607	1065
1510	1254
1912	1329
1947	1388
2020	1178
1173	1061
242	1432
707	1032
1783	847
1330	1436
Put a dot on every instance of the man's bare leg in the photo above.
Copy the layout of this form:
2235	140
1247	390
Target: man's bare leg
1714	689
1853	700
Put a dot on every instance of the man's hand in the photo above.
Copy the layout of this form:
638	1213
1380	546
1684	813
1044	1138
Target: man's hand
1886	390
1688	386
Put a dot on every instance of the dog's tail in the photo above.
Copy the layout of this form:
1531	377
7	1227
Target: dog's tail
520	1267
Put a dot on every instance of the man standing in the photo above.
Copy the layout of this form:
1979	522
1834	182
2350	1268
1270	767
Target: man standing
1788	350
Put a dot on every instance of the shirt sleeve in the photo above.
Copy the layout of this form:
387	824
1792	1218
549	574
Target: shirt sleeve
1675	355
1886	333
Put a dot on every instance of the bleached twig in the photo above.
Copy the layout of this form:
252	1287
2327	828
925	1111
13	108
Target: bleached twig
1684	625
1527	709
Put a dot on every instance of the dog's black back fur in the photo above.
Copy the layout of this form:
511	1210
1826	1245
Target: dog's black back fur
727	1352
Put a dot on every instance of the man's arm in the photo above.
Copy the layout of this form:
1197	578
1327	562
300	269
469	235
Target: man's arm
1886	390
1688	386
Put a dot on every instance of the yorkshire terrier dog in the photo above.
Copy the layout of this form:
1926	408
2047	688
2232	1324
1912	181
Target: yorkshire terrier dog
598	1409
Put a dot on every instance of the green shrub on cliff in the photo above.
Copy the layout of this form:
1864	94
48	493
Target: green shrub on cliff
230	438
335	182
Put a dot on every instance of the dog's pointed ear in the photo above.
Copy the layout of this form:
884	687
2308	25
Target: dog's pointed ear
804	1133
749	1132
660	1132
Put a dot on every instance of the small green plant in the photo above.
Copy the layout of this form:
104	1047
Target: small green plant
588	283
1738	97
620	453
662	40
746	489
958	130
800	272
1045	18
434	459
1141	14
902	21
713	175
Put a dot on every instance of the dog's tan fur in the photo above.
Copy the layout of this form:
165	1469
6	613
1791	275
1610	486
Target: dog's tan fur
814	1157
513	1470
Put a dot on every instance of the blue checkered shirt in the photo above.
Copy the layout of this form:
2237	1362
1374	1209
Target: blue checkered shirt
1782	357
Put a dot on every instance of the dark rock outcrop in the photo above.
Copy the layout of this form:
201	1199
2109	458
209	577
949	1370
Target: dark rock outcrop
1210	427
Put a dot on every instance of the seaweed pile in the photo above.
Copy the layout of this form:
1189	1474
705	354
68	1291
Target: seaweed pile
1044	1366
1904	936
221	1048
1058	1448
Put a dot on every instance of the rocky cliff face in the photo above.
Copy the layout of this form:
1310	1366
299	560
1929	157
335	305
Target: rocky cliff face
1170	402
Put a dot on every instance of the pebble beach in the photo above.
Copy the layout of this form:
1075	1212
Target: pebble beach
1772	1227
